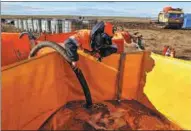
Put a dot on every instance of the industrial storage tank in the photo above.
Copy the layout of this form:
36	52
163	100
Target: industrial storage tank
16	23
20	24
25	25
56	26
46	25
37	25
30	25
66	26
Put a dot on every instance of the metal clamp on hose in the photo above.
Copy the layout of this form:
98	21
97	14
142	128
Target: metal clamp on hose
77	71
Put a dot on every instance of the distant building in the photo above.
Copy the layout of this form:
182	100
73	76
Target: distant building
46	25
37	25
30	24
25	25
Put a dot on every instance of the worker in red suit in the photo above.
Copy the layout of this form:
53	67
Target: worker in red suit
96	41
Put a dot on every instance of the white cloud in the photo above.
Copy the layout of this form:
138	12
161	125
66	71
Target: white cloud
104	9
16	6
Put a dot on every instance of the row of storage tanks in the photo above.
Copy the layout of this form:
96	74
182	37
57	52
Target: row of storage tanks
53	25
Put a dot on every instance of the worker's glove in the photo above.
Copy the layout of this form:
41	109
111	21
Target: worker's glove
98	57
74	65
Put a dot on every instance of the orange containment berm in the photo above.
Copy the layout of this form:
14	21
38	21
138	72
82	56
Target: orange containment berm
13	48
128	92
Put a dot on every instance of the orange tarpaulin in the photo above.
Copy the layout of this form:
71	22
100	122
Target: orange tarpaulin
120	45
123	35
58	38
57	87
13	48
32	90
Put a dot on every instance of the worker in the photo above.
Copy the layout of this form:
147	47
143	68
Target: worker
172	53
137	39
97	41
165	49
140	42
168	51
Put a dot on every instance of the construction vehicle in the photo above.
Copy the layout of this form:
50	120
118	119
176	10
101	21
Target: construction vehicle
171	18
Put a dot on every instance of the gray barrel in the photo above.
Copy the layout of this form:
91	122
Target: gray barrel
25	25
66	26
30	25
37	25
46	25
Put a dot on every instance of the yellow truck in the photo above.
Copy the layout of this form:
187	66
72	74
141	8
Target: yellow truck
171	18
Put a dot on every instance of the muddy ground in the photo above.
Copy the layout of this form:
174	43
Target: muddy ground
178	39
108	115
154	37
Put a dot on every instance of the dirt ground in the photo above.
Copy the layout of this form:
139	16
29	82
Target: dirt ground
178	39
154	38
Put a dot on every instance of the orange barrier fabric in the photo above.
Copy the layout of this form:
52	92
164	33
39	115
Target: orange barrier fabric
32	90
120	45
82	36
126	36
123	35
136	66
59	38
13	48
112	60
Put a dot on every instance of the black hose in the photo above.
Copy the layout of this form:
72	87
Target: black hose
30	35
84	85
77	71
53	45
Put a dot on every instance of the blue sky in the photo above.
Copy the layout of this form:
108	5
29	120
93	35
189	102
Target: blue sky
126	9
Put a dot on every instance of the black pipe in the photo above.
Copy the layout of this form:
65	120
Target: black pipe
84	85
77	71
30	35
